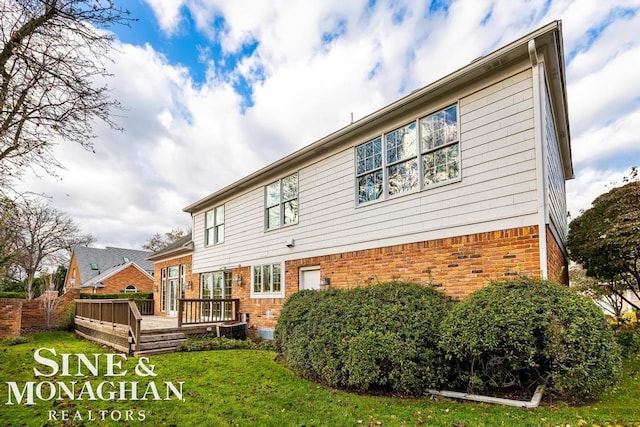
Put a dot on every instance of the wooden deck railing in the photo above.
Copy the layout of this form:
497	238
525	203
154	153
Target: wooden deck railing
114	311
194	311
145	306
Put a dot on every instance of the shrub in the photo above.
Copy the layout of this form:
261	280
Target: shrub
222	343
382	337
19	295
20	339
524	332
628	338
68	321
121	295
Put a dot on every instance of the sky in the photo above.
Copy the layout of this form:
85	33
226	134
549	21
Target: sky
214	90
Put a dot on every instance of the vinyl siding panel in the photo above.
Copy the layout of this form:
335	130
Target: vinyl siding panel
555	181
497	190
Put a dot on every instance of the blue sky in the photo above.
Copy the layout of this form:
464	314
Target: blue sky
216	89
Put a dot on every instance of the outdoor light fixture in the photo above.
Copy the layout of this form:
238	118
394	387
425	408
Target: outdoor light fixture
189	284
238	280
324	282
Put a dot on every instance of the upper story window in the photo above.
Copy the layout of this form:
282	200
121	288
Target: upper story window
440	146
214	226
281	202
414	156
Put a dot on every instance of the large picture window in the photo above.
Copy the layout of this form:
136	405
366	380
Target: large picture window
418	155
214	226
267	281
281	202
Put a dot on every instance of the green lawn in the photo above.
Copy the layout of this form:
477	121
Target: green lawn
248	388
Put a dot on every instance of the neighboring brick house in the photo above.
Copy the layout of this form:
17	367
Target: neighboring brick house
109	270
172	276
455	184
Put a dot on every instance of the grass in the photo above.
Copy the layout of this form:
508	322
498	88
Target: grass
248	388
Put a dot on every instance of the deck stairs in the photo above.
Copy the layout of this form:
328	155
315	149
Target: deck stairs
158	341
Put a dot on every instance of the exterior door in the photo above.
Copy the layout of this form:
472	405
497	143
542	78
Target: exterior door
216	286
310	278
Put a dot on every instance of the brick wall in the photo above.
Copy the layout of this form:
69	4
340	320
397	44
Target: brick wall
557	265
116	283
20	316
10	317
457	265
190	292
33	312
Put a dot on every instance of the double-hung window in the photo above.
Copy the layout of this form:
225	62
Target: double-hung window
369	170
413	157
267	281
214	226
440	146
281	202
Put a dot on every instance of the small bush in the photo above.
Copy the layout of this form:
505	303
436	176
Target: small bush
525	332
68	321
222	343
121	295
382	337
21	339
628	338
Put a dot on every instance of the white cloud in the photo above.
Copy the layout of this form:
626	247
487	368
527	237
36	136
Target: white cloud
185	140
167	13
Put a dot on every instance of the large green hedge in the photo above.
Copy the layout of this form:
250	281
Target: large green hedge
382	337
19	295
121	295
525	332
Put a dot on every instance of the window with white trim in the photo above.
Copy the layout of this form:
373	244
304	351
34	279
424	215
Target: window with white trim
267	281
415	156
163	289
281	202
214	226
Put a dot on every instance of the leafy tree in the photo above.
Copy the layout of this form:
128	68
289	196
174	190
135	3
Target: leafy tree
605	239
599	292
52	56
41	236
157	241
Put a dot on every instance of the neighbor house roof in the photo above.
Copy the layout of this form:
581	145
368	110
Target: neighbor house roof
96	281
547	40
93	262
182	246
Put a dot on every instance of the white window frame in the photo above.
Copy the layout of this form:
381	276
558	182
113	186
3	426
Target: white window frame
214	230
280	204
163	290
362	168
257	289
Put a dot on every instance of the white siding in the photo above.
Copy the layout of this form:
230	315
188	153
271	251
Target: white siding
556	196
497	190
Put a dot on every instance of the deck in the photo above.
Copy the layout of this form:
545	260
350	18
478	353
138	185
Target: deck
119	324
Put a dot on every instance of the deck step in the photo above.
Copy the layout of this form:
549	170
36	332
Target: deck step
160	344
155	351
147	337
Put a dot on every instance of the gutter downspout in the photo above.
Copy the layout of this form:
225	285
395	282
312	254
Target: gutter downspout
541	170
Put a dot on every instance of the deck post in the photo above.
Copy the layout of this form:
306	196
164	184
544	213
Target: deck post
180	310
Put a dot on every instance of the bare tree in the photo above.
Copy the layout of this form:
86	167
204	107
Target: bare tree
52	57
43	236
49	300
157	241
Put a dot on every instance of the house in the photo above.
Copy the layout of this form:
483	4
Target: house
172	276
458	183
109	270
